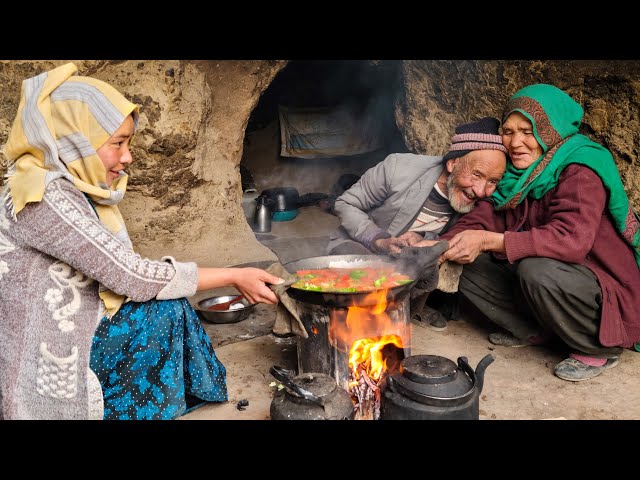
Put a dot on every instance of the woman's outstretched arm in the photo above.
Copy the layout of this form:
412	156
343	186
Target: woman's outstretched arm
251	282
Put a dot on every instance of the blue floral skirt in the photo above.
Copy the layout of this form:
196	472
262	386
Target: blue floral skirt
149	356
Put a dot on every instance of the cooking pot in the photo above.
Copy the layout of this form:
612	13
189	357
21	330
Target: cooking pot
429	387
282	199
336	299
310	396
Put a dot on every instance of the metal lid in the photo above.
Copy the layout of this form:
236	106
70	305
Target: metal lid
310	396
433	380
319	384
428	369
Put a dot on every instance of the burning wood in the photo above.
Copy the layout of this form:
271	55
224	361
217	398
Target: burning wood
365	393
370	360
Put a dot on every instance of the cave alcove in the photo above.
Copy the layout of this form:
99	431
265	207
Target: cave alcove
366	89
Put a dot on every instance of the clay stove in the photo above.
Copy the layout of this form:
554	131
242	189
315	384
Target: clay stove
358	339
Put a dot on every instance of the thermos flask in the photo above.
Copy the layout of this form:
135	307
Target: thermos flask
262	215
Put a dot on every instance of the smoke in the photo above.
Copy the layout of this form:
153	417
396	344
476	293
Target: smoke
365	90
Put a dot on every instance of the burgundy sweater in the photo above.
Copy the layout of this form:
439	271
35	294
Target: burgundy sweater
571	224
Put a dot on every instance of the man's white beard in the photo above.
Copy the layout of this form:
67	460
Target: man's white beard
451	191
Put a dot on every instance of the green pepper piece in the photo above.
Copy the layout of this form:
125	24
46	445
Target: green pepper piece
313	288
379	281
357	274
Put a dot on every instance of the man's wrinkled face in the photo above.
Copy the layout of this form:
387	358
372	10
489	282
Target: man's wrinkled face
474	176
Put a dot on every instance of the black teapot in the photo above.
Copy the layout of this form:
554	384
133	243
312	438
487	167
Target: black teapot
429	387
310	396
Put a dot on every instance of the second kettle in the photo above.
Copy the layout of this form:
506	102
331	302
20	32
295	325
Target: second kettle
262	215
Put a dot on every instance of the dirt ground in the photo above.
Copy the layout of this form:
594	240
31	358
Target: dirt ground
519	384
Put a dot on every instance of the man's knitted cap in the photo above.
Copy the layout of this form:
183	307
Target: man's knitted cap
479	135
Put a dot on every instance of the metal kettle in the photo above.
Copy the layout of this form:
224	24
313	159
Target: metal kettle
249	204
262	215
310	396
429	387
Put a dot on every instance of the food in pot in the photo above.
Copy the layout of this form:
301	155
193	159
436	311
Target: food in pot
350	280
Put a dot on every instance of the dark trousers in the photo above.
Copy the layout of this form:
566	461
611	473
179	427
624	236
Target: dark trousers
536	296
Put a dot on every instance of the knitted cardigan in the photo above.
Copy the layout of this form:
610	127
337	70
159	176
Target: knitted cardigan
53	260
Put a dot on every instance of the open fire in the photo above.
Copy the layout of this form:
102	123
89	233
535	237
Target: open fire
357	338
375	337
369	362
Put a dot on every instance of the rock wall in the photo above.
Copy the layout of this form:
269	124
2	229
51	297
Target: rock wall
184	198
437	95
184	195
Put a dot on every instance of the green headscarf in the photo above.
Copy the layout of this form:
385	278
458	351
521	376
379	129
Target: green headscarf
556	117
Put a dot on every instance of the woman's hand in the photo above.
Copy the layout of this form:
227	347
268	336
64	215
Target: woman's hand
426	243
389	245
252	283
411	238
395	244
465	246
431	243
249	281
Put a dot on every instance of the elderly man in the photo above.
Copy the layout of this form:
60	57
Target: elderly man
407	198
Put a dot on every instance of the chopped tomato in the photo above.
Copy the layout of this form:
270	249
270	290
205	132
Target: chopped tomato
346	280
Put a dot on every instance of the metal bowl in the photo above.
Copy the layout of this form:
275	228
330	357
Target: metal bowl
223	316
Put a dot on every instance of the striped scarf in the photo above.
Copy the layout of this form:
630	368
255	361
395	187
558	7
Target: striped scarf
62	120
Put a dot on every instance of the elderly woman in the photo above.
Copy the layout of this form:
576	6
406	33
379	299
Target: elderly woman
563	239
88	328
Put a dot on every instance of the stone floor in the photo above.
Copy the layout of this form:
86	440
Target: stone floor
519	384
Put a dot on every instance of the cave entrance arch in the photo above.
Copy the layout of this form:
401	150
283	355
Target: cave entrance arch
320	84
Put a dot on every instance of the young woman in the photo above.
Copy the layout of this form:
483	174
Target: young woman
88	328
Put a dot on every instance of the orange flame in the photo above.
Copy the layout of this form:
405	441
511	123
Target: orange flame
360	321
368	351
364	330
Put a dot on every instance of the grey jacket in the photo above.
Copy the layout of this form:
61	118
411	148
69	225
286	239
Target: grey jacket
52	260
386	200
